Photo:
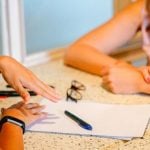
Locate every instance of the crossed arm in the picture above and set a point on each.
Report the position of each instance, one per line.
(91, 52)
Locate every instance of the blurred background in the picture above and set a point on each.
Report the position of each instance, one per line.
(32, 29)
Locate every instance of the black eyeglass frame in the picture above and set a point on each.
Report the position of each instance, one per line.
(73, 92)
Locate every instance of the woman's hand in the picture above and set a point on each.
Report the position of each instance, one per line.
(29, 113)
(145, 70)
(11, 136)
(124, 79)
(19, 77)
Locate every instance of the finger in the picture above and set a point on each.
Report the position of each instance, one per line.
(17, 105)
(40, 116)
(36, 87)
(22, 91)
(37, 117)
(43, 113)
(51, 95)
(31, 105)
(48, 89)
(36, 110)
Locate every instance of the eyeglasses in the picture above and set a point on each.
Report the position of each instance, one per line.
(73, 92)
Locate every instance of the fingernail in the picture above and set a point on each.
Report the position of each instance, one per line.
(26, 97)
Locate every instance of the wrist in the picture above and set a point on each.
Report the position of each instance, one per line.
(10, 127)
(14, 113)
(13, 122)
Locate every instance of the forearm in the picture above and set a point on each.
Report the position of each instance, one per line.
(117, 31)
(90, 52)
(88, 59)
(9, 134)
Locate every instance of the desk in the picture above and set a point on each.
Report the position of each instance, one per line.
(55, 73)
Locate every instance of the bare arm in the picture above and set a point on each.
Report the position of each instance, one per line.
(90, 52)
(9, 69)
(11, 135)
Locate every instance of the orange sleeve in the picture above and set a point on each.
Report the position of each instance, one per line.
(11, 137)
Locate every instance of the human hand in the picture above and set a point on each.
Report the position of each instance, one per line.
(29, 113)
(19, 77)
(145, 70)
(124, 80)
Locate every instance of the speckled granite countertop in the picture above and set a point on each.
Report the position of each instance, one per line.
(60, 76)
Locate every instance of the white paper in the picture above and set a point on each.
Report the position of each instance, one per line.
(107, 120)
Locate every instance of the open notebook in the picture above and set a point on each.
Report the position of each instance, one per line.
(107, 120)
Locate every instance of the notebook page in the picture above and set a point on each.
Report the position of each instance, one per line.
(107, 120)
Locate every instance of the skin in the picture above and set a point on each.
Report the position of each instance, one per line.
(29, 113)
(20, 77)
(146, 30)
(91, 52)
(114, 80)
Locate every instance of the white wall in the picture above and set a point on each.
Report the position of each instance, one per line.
(56, 23)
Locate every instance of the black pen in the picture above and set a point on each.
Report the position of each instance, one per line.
(9, 86)
(80, 122)
(14, 93)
